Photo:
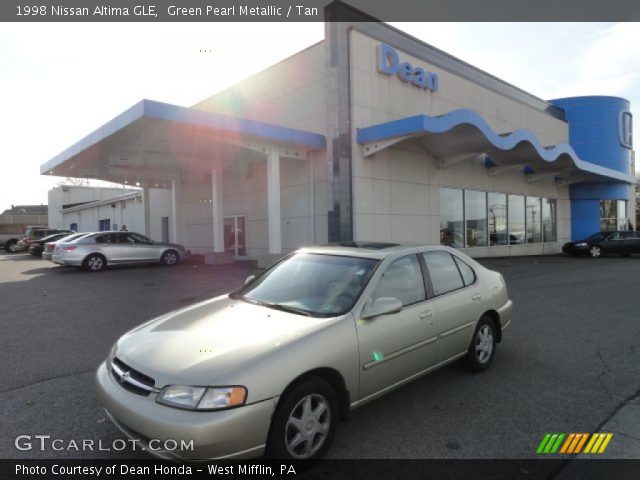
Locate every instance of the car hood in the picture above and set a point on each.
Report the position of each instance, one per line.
(196, 344)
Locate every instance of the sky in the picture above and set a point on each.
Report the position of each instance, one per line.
(59, 82)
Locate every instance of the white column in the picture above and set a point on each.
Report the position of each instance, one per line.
(217, 210)
(175, 196)
(146, 208)
(273, 201)
(312, 201)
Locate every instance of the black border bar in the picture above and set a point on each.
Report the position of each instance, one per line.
(317, 10)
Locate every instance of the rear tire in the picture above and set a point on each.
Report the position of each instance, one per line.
(94, 262)
(10, 246)
(483, 345)
(169, 258)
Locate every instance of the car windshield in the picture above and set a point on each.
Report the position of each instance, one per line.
(311, 284)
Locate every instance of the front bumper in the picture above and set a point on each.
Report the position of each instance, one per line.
(235, 433)
(572, 249)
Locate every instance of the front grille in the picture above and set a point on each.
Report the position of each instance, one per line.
(131, 379)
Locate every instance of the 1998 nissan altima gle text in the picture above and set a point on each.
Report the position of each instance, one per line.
(271, 368)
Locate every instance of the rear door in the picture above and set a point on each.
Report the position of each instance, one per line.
(632, 242)
(457, 302)
(113, 246)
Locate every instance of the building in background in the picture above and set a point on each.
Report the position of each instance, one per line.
(91, 209)
(371, 134)
(15, 220)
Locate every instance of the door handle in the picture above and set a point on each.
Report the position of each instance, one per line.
(476, 297)
(425, 315)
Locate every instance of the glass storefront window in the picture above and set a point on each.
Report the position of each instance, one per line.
(608, 215)
(534, 219)
(623, 224)
(497, 216)
(475, 214)
(516, 220)
(549, 220)
(451, 217)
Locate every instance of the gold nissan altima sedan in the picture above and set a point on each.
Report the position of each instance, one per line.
(272, 367)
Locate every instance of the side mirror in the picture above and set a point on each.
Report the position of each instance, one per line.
(382, 306)
(249, 279)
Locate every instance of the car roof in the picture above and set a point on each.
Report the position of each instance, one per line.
(374, 250)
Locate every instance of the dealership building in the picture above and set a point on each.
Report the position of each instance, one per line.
(370, 134)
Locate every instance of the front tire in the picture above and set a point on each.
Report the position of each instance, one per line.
(483, 345)
(94, 263)
(595, 251)
(305, 422)
(169, 258)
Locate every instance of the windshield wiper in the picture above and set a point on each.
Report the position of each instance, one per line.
(287, 308)
(275, 306)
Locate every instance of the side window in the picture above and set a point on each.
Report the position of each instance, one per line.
(402, 280)
(100, 239)
(443, 272)
(135, 238)
(468, 275)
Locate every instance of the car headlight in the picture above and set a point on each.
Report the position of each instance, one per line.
(581, 244)
(202, 398)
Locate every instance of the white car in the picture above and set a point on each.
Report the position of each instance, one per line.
(96, 251)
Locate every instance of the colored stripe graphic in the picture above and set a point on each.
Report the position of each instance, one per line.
(574, 443)
(550, 443)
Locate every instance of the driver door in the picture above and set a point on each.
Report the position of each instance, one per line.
(141, 248)
(396, 346)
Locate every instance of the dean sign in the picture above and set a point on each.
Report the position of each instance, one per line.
(389, 64)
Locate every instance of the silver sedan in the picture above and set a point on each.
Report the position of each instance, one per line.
(272, 367)
(94, 252)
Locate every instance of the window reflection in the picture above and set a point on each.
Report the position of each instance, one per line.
(451, 217)
(516, 220)
(534, 219)
(498, 219)
(475, 218)
(475, 209)
(548, 220)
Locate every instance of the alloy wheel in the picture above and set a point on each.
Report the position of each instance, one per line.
(95, 263)
(170, 258)
(484, 344)
(595, 251)
(308, 426)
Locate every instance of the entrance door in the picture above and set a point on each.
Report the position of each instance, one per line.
(235, 236)
(165, 229)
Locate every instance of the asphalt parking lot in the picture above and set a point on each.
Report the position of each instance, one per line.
(569, 360)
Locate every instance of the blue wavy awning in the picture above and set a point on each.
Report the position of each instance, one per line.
(464, 131)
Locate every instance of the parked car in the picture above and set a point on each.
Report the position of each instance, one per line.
(36, 247)
(94, 252)
(623, 243)
(38, 233)
(11, 234)
(49, 247)
(271, 367)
